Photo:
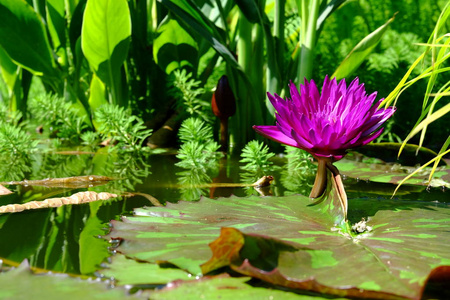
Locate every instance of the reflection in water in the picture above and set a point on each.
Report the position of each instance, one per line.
(66, 238)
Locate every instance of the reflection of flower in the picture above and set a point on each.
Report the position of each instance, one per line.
(326, 124)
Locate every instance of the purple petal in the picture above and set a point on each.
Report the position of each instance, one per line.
(272, 132)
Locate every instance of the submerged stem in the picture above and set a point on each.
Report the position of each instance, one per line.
(320, 184)
(339, 186)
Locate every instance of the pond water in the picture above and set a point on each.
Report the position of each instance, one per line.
(66, 239)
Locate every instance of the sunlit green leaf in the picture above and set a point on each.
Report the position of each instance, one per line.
(24, 38)
(174, 48)
(359, 53)
(105, 40)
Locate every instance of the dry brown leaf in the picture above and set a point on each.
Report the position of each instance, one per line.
(4, 191)
(78, 198)
(65, 182)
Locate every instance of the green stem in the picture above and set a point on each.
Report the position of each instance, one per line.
(275, 61)
(308, 38)
(320, 183)
(244, 53)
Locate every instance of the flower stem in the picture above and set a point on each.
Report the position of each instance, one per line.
(339, 186)
(320, 184)
(224, 134)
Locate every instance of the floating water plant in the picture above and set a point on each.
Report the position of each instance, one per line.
(327, 124)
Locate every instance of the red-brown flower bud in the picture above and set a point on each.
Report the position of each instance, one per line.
(223, 102)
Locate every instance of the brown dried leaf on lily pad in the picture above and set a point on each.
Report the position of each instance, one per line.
(258, 257)
(78, 198)
(4, 191)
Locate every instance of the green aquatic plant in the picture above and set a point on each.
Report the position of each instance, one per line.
(199, 150)
(255, 160)
(130, 169)
(90, 138)
(121, 127)
(191, 180)
(199, 156)
(187, 93)
(15, 169)
(196, 130)
(256, 156)
(15, 141)
(301, 160)
(58, 116)
(11, 117)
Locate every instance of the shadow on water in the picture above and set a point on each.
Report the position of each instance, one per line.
(66, 239)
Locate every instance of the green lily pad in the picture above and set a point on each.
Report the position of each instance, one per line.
(21, 283)
(223, 287)
(286, 241)
(392, 173)
(128, 271)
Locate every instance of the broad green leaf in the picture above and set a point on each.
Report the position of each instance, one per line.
(97, 97)
(329, 8)
(174, 48)
(286, 241)
(12, 228)
(105, 39)
(9, 70)
(359, 53)
(91, 243)
(57, 28)
(24, 38)
(250, 10)
(193, 19)
(21, 283)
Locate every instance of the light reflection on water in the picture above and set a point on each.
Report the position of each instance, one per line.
(66, 239)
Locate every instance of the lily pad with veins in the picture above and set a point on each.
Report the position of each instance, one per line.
(288, 242)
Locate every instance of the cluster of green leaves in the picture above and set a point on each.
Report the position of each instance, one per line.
(198, 156)
(14, 140)
(121, 127)
(58, 117)
(199, 150)
(187, 93)
(256, 157)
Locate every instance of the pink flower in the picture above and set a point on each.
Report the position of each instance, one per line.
(329, 123)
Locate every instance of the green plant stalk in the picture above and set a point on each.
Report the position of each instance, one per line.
(244, 52)
(309, 15)
(256, 71)
(275, 61)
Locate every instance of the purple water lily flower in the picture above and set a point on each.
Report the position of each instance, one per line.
(326, 124)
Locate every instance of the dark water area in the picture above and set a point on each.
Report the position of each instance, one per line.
(67, 238)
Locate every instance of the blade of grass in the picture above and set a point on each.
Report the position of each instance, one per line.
(438, 157)
(433, 117)
(436, 163)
